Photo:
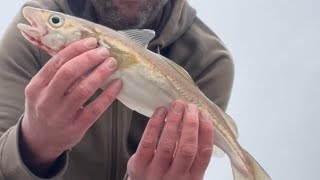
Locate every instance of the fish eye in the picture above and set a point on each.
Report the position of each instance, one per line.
(56, 21)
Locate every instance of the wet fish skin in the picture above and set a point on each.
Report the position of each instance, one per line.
(149, 79)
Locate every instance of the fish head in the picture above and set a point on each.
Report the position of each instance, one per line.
(49, 30)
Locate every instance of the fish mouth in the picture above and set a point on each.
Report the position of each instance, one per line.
(30, 33)
(37, 27)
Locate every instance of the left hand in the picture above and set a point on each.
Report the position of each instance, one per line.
(184, 149)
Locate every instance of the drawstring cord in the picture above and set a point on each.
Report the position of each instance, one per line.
(158, 50)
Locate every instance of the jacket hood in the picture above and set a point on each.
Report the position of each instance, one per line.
(176, 19)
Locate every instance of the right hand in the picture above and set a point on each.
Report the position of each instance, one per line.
(55, 119)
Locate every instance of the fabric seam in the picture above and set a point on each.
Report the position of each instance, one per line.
(2, 149)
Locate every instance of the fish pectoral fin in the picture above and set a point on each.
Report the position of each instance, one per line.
(256, 171)
(140, 36)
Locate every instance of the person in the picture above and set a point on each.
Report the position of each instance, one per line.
(51, 131)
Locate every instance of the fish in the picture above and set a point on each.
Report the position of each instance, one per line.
(150, 80)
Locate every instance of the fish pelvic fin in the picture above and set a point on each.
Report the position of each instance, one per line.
(256, 171)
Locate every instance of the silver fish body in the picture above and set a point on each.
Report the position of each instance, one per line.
(149, 80)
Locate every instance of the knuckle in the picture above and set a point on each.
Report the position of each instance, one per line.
(171, 128)
(188, 151)
(192, 122)
(30, 91)
(97, 110)
(167, 146)
(101, 75)
(108, 98)
(191, 137)
(77, 47)
(205, 152)
(57, 61)
(69, 72)
(203, 160)
(91, 55)
(82, 92)
(72, 50)
(173, 123)
(174, 120)
(207, 127)
(147, 143)
(132, 167)
(153, 126)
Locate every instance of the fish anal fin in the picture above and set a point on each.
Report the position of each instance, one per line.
(239, 175)
(231, 123)
(217, 152)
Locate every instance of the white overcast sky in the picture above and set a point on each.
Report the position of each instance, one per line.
(275, 99)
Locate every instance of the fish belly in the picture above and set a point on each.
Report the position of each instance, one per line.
(144, 90)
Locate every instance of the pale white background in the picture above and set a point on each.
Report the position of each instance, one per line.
(275, 100)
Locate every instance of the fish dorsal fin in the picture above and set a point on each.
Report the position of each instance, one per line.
(140, 36)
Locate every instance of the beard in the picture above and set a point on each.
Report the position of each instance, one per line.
(110, 15)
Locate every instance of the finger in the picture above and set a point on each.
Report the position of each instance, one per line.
(88, 86)
(188, 143)
(94, 110)
(206, 142)
(169, 137)
(75, 69)
(149, 138)
(47, 72)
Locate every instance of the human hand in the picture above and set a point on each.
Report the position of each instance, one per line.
(184, 149)
(55, 119)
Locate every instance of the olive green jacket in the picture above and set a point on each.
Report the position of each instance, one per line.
(106, 147)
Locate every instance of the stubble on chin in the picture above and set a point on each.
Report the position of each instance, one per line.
(111, 16)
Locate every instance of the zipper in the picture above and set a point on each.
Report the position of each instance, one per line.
(114, 141)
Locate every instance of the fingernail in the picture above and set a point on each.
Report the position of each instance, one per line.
(111, 63)
(178, 107)
(192, 108)
(161, 112)
(204, 115)
(90, 43)
(103, 52)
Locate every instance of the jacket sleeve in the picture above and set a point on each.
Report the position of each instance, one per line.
(19, 62)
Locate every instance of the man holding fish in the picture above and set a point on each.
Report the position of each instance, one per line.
(57, 122)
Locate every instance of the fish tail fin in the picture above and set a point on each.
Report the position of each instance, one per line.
(257, 172)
